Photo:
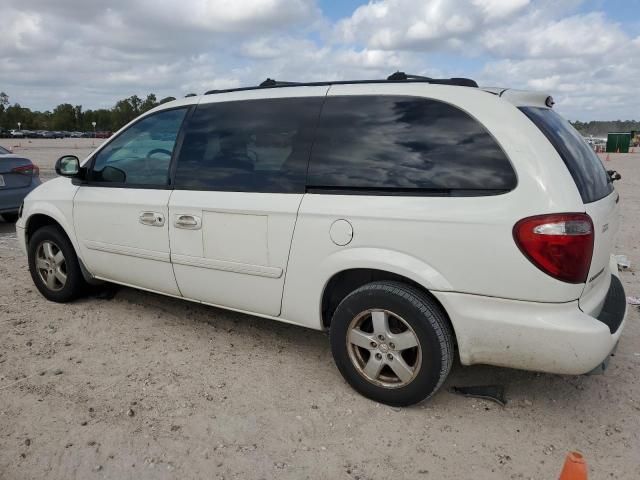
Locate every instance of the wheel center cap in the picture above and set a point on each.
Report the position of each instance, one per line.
(383, 347)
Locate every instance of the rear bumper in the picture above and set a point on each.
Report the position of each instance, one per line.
(547, 337)
(11, 198)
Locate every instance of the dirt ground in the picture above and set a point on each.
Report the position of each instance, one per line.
(142, 386)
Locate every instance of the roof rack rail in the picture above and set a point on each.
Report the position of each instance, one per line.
(270, 82)
(395, 77)
(458, 81)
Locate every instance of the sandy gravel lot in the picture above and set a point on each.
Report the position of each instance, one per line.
(141, 386)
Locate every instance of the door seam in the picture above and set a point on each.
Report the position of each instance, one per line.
(173, 267)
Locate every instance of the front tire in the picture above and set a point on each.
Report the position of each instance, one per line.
(54, 265)
(392, 343)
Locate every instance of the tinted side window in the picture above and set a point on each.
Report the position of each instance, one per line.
(248, 146)
(584, 165)
(406, 143)
(141, 154)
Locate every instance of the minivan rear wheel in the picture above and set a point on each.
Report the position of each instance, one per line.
(392, 343)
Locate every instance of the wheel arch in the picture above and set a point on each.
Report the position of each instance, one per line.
(37, 220)
(346, 281)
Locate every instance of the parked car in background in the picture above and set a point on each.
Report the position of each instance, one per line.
(17, 133)
(75, 134)
(429, 213)
(103, 134)
(18, 176)
(4, 133)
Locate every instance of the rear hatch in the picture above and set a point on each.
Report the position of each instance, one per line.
(16, 172)
(597, 192)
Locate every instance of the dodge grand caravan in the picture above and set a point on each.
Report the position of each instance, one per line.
(404, 216)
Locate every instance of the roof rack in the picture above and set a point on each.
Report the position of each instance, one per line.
(270, 82)
(397, 77)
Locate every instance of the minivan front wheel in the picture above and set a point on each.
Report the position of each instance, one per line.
(54, 266)
(392, 343)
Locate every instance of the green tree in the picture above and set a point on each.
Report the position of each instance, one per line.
(150, 102)
(64, 117)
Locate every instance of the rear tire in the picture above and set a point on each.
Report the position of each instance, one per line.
(10, 217)
(54, 265)
(392, 343)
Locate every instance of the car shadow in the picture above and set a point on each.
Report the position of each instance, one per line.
(522, 387)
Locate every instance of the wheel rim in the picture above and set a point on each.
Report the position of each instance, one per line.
(51, 265)
(383, 348)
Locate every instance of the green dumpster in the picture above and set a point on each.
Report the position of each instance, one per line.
(618, 142)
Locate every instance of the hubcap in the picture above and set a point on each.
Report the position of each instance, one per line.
(383, 348)
(51, 265)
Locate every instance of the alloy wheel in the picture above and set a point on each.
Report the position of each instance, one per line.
(383, 348)
(51, 265)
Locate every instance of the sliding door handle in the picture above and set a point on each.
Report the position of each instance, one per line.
(153, 219)
(189, 222)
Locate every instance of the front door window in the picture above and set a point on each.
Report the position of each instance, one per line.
(141, 154)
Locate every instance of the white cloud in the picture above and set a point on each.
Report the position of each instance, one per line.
(411, 24)
(93, 53)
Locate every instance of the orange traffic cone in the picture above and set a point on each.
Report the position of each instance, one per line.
(575, 467)
(607, 159)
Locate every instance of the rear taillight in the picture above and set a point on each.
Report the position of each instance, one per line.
(30, 170)
(561, 244)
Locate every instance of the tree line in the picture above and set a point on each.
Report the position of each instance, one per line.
(68, 117)
(601, 128)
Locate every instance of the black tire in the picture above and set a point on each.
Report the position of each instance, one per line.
(10, 217)
(75, 284)
(428, 324)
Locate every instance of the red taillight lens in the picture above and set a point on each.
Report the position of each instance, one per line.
(30, 170)
(561, 245)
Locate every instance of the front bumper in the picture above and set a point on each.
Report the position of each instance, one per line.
(547, 337)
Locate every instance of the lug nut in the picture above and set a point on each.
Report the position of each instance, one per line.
(389, 356)
(378, 356)
(381, 337)
(374, 344)
(392, 345)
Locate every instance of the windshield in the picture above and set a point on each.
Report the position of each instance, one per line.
(584, 165)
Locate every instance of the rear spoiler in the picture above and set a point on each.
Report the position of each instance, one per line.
(522, 98)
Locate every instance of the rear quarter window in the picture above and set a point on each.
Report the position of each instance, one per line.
(584, 165)
(402, 144)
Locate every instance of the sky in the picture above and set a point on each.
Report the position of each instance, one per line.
(93, 53)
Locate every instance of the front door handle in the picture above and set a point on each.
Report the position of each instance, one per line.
(189, 222)
(154, 219)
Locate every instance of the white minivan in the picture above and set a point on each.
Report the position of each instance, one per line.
(412, 218)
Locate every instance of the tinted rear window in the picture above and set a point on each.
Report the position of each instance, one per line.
(584, 165)
(411, 144)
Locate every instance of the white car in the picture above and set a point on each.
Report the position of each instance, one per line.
(414, 219)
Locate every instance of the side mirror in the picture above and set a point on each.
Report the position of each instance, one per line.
(68, 166)
(113, 174)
